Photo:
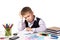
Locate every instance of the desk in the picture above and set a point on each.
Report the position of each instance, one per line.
(34, 36)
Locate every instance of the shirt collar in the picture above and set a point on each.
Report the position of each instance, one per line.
(35, 19)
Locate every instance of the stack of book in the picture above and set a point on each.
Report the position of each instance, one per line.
(53, 30)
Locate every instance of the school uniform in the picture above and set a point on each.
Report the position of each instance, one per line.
(37, 25)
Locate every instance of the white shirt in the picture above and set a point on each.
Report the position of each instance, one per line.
(39, 29)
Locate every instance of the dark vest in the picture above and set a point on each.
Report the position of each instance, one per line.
(35, 24)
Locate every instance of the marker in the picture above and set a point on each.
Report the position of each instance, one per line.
(7, 26)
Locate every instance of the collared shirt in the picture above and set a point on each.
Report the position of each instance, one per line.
(39, 29)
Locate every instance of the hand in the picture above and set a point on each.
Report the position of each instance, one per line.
(28, 29)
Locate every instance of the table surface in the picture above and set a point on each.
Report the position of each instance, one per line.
(34, 36)
(31, 36)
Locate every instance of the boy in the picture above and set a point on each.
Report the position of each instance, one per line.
(31, 23)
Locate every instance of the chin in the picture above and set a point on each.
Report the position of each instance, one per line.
(30, 21)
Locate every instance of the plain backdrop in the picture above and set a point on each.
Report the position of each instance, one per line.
(48, 10)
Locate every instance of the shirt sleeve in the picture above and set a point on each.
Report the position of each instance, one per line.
(41, 28)
(21, 26)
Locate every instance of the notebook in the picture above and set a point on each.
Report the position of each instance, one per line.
(53, 30)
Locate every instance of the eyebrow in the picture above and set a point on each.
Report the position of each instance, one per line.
(27, 16)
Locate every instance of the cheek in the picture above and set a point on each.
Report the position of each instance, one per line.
(30, 18)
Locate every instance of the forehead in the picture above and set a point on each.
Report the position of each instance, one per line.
(27, 14)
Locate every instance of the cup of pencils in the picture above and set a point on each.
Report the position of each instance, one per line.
(8, 29)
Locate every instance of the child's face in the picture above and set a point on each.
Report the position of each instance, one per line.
(28, 16)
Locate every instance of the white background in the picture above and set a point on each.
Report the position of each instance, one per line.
(48, 10)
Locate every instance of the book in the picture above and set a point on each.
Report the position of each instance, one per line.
(53, 30)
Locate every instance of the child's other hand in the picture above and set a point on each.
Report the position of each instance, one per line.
(28, 29)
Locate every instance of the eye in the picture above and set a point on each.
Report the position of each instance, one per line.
(27, 16)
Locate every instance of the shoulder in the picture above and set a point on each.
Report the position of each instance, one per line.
(41, 21)
(37, 18)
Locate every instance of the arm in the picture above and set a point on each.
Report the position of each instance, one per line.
(41, 28)
(21, 26)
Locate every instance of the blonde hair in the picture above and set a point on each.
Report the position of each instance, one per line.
(25, 9)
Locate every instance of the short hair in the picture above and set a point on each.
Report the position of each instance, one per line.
(25, 9)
